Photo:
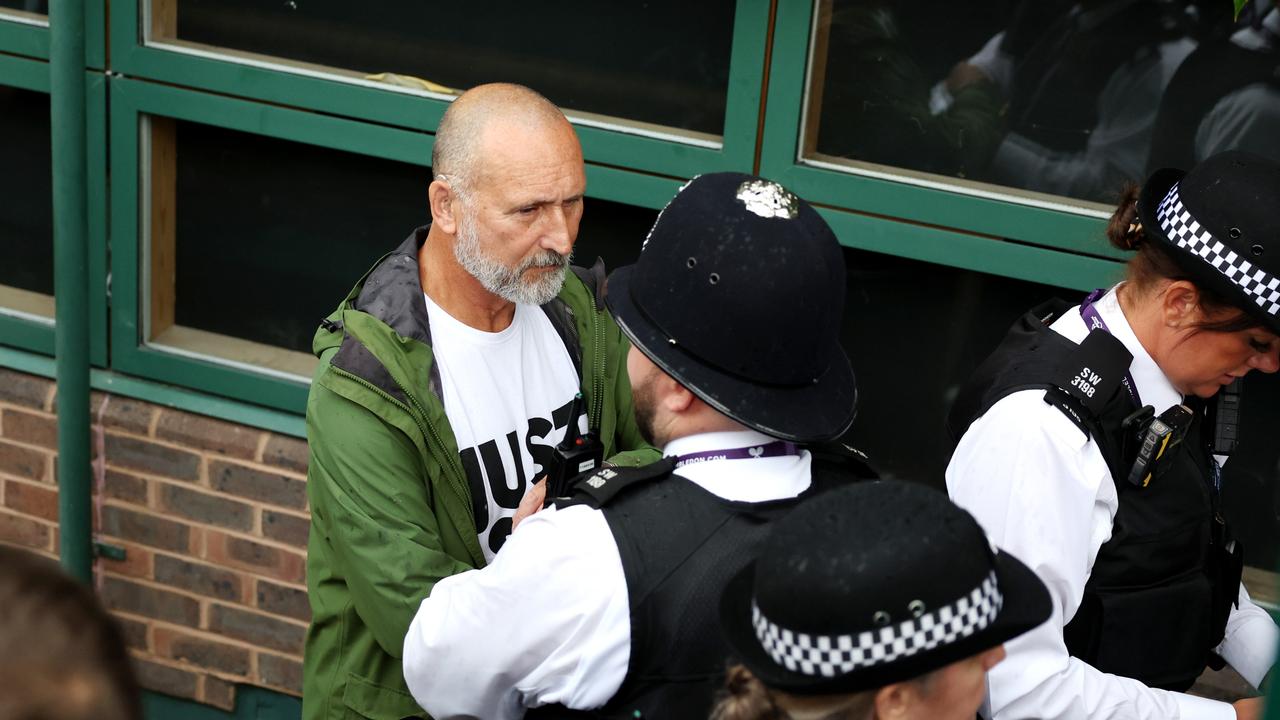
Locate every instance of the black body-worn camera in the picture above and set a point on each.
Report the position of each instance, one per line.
(576, 454)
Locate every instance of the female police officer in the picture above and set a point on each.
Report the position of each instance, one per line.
(1087, 451)
(879, 601)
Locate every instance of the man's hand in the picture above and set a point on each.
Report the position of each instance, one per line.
(530, 503)
(1248, 709)
(963, 75)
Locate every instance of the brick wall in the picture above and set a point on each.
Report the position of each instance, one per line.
(213, 520)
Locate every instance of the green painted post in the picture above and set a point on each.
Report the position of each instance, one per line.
(71, 282)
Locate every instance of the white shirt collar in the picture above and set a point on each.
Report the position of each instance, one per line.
(745, 480)
(1153, 387)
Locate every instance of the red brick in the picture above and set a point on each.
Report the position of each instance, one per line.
(201, 652)
(256, 628)
(23, 462)
(165, 679)
(136, 563)
(204, 580)
(254, 484)
(204, 508)
(35, 500)
(286, 452)
(256, 557)
(206, 433)
(136, 599)
(133, 631)
(151, 458)
(127, 414)
(30, 428)
(150, 530)
(22, 389)
(23, 531)
(124, 486)
(218, 693)
(281, 600)
(289, 529)
(280, 672)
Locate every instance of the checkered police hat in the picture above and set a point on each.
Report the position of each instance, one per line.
(1220, 223)
(874, 584)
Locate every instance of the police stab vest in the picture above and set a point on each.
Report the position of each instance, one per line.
(679, 546)
(1161, 589)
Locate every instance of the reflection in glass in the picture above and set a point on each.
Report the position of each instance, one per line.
(26, 212)
(664, 62)
(270, 235)
(1052, 96)
(39, 7)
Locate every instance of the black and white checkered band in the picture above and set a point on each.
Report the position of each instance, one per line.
(832, 655)
(1183, 229)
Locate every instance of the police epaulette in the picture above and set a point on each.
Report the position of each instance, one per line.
(844, 459)
(598, 487)
(1089, 377)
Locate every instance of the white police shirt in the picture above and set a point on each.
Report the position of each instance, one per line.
(507, 395)
(1043, 492)
(548, 621)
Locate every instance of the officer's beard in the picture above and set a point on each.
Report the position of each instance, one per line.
(509, 283)
(646, 407)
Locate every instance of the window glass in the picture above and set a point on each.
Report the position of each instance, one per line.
(663, 62)
(270, 235)
(39, 7)
(26, 215)
(1055, 97)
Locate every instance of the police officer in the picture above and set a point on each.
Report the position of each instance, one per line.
(879, 601)
(606, 601)
(1088, 451)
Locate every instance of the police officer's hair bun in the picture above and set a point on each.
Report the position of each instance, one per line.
(744, 697)
(1125, 229)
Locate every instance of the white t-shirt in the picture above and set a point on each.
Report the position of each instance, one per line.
(507, 395)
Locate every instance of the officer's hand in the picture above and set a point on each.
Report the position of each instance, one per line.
(530, 503)
(1248, 709)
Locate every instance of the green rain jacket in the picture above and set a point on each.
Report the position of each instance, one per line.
(391, 511)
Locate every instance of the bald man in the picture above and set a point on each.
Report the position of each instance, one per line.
(447, 376)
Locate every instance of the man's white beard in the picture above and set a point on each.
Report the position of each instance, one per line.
(509, 283)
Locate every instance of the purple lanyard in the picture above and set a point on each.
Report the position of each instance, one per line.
(1094, 320)
(777, 448)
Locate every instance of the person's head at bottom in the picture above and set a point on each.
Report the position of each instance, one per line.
(880, 600)
(62, 657)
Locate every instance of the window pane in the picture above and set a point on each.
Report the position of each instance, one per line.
(270, 235)
(663, 62)
(26, 215)
(40, 7)
(1057, 97)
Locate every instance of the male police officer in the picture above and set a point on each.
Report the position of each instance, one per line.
(608, 601)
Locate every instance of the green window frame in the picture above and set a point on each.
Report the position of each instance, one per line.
(604, 144)
(931, 222)
(134, 100)
(37, 335)
(27, 34)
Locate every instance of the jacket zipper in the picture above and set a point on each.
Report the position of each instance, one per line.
(425, 429)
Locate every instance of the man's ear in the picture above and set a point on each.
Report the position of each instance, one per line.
(1180, 304)
(444, 206)
(895, 701)
(676, 397)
